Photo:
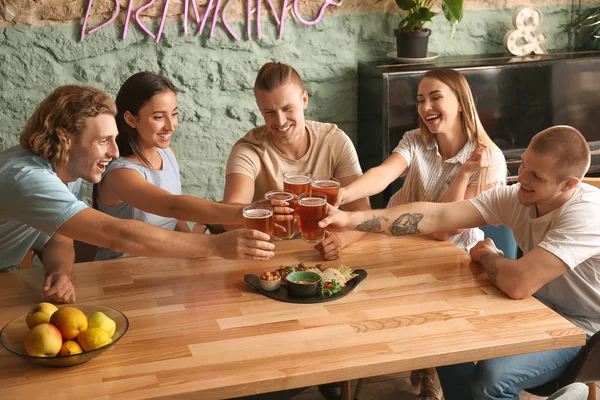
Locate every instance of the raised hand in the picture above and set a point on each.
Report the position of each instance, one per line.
(480, 158)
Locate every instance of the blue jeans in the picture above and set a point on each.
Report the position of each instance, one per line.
(505, 377)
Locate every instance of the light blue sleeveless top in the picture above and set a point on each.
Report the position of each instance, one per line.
(168, 178)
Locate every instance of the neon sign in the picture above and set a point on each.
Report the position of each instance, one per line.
(217, 8)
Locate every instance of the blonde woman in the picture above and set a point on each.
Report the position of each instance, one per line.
(449, 158)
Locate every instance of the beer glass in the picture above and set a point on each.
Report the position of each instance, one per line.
(259, 217)
(312, 208)
(297, 182)
(326, 185)
(287, 224)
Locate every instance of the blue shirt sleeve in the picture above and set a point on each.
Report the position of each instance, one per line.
(41, 200)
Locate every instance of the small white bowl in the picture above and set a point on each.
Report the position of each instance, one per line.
(270, 286)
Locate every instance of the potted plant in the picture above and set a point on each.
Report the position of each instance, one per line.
(411, 37)
(586, 27)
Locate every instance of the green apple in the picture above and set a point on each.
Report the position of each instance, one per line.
(100, 320)
(40, 314)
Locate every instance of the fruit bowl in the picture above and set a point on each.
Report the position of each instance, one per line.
(13, 333)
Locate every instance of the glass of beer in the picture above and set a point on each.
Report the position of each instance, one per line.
(327, 185)
(287, 224)
(312, 208)
(259, 217)
(297, 182)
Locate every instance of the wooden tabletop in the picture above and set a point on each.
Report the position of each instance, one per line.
(198, 331)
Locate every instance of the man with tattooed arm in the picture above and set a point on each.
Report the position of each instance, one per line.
(554, 218)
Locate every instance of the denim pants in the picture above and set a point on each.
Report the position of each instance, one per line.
(503, 378)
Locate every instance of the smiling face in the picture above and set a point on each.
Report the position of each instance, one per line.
(91, 151)
(156, 121)
(540, 185)
(283, 111)
(438, 107)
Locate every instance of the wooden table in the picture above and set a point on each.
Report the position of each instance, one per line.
(198, 331)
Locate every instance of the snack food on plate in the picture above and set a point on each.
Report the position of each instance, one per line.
(332, 279)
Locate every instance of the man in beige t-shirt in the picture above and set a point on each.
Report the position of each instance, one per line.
(287, 142)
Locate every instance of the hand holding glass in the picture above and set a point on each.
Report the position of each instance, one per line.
(312, 209)
(288, 224)
(259, 217)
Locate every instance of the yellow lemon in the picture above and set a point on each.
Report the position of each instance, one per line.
(100, 320)
(93, 338)
(70, 347)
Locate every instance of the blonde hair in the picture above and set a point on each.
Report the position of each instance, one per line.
(567, 146)
(471, 123)
(68, 108)
(272, 75)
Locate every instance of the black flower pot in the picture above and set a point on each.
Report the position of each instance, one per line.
(412, 44)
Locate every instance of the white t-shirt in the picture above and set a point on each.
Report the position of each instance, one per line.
(571, 232)
(428, 177)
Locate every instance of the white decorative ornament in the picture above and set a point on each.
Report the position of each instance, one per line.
(525, 39)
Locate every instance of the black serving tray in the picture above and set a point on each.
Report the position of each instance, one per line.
(282, 294)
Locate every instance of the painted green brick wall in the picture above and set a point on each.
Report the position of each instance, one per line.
(215, 76)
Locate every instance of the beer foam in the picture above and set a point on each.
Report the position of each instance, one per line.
(257, 213)
(312, 201)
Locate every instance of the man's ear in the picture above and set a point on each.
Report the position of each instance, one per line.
(130, 119)
(305, 99)
(65, 137)
(571, 183)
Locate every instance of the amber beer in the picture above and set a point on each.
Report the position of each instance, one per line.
(259, 217)
(328, 186)
(296, 182)
(287, 224)
(312, 208)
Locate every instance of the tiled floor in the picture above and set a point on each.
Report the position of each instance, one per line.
(388, 387)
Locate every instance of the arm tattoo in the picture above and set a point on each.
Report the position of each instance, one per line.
(489, 265)
(406, 224)
(372, 225)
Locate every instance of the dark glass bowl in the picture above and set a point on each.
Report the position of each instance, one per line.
(13, 333)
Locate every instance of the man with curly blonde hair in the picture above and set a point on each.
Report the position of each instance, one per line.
(71, 136)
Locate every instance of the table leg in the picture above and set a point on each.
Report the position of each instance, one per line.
(346, 390)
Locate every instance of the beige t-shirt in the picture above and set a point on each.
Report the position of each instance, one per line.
(571, 233)
(330, 153)
(428, 177)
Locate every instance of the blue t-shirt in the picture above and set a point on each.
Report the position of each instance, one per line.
(167, 178)
(34, 203)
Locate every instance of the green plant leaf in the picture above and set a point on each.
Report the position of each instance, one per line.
(425, 14)
(453, 10)
(406, 4)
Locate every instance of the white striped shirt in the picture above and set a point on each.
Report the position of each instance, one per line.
(428, 177)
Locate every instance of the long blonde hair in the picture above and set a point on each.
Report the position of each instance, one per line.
(471, 123)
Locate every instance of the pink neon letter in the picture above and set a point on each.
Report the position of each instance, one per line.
(321, 12)
(87, 15)
(162, 21)
(137, 19)
(232, 33)
(127, 18)
(115, 14)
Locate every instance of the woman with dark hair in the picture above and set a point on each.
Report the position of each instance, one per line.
(144, 182)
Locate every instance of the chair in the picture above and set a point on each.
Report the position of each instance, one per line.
(585, 368)
(503, 238)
